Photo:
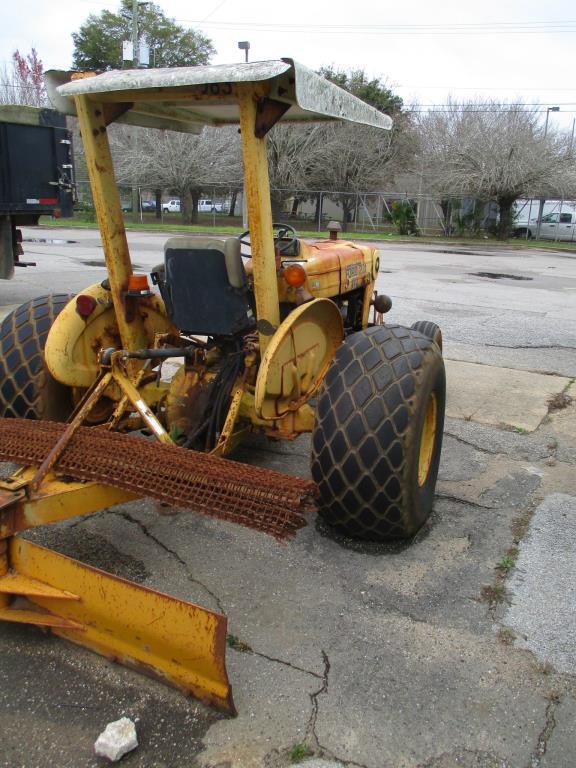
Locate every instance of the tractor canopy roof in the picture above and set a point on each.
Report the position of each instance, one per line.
(188, 98)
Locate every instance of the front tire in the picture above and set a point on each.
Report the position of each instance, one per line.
(429, 329)
(378, 435)
(27, 388)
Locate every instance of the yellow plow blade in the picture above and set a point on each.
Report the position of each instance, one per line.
(173, 640)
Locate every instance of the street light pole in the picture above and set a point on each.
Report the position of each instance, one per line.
(548, 110)
(244, 45)
(542, 200)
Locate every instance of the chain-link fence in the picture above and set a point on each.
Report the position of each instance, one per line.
(366, 212)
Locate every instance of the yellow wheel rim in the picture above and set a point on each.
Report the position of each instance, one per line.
(427, 440)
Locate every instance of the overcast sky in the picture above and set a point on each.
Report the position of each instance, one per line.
(515, 50)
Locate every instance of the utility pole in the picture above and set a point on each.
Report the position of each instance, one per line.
(136, 60)
(135, 63)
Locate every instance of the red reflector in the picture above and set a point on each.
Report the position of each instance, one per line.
(48, 200)
(85, 305)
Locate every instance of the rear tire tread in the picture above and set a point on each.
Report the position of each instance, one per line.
(363, 445)
(27, 389)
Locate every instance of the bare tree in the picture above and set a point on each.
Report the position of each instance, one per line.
(494, 152)
(22, 82)
(290, 152)
(187, 164)
(350, 158)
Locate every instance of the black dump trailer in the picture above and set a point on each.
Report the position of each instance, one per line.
(36, 175)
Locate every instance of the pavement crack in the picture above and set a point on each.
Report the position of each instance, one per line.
(311, 734)
(284, 663)
(531, 346)
(535, 760)
(144, 528)
(460, 500)
(471, 444)
(311, 728)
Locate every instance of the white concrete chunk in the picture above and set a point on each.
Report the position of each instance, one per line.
(117, 739)
(499, 396)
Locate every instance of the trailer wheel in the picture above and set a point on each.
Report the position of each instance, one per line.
(27, 389)
(378, 434)
(429, 329)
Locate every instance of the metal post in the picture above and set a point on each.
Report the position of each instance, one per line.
(257, 188)
(109, 215)
(6, 248)
(4, 567)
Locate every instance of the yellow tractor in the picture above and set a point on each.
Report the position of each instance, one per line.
(280, 343)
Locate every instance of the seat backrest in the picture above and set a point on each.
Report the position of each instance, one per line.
(205, 288)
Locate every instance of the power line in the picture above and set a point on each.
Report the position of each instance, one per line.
(540, 27)
(463, 108)
(502, 103)
(214, 10)
(483, 88)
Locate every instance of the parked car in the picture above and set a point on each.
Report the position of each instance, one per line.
(171, 206)
(148, 205)
(208, 206)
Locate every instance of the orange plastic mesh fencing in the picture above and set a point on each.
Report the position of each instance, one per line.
(255, 497)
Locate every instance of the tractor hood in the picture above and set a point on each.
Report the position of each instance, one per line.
(188, 98)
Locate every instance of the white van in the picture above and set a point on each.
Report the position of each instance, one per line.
(557, 224)
(207, 206)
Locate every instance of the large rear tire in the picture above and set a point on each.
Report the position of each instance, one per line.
(378, 434)
(27, 388)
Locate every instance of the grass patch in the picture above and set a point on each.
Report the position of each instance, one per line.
(508, 561)
(298, 752)
(206, 226)
(506, 636)
(521, 525)
(559, 402)
(234, 642)
(493, 594)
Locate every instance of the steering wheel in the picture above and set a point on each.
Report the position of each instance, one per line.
(281, 231)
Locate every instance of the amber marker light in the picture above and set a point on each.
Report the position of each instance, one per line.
(295, 275)
(137, 282)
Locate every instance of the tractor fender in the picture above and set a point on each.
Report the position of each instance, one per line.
(73, 343)
(297, 357)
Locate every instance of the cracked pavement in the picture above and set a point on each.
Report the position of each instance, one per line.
(455, 649)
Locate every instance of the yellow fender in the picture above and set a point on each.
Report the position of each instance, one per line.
(73, 343)
(297, 358)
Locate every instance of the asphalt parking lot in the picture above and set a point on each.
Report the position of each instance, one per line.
(456, 649)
